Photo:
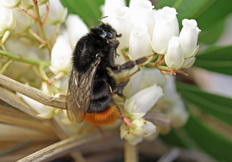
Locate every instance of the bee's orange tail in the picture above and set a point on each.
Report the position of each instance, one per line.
(102, 118)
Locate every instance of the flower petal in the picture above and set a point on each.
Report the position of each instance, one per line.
(146, 99)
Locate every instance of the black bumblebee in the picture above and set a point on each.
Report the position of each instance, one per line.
(90, 86)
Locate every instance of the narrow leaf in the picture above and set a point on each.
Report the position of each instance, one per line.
(215, 105)
(217, 59)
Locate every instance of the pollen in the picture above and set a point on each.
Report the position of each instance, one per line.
(102, 118)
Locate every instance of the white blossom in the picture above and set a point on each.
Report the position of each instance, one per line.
(43, 111)
(166, 26)
(40, 2)
(76, 28)
(188, 37)
(10, 3)
(7, 23)
(61, 55)
(110, 6)
(174, 57)
(188, 62)
(140, 42)
(121, 21)
(172, 103)
(145, 99)
(57, 12)
(23, 21)
(140, 9)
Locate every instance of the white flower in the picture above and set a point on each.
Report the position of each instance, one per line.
(40, 2)
(7, 23)
(27, 4)
(43, 111)
(23, 21)
(145, 99)
(166, 26)
(174, 57)
(61, 55)
(188, 62)
(142, 128)
(188, 37)
(76, 28)
(121, 22)
(110, 6)
(140, 43)
(172, 103)
(10, 3)
(140, 10)
(57, 13)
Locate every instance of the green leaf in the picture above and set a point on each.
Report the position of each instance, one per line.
(186, 8)
(215, 105)
(208, 140)
(217, 11)
(175, 139)
(88, 10)
(218, 59)
(213, 34)
(196, 134)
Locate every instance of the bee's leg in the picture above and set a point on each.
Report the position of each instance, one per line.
(117, 88)
(127, 78)
(130, 64)
(125, 119)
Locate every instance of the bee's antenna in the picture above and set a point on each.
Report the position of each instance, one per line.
(102, 18)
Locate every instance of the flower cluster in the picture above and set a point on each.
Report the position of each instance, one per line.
(145, 31)
(28, 28)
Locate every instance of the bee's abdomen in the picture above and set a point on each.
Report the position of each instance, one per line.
(101, 97)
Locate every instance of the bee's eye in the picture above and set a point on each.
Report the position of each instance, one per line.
(109, 35)
(98, 55)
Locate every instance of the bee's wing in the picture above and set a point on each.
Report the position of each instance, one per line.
(79, 92)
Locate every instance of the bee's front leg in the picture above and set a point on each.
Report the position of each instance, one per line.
(130, 64)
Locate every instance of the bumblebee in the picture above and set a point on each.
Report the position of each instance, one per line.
(91, 85)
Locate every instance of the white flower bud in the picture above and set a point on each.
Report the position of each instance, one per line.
(174, 58)
(61, 55)
(7, 23)
(27, 4)
(110, 6)
(23, 21)
(140, 10)
(145, 99)
(57, 13)
(188, 62)
(188, 37)
(166, 26)
(140, 42)
(10, 3)
(149, 128)
(40, 2)
(121, 22)
(76, 28)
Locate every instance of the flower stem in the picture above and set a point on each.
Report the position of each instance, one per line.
(5, 66)
(40, 25)
(43, 73)
(130, 152)
(24, 59)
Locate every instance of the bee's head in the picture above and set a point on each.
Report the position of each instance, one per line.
(105, 31)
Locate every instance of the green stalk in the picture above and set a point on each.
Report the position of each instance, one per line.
(24, 59)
